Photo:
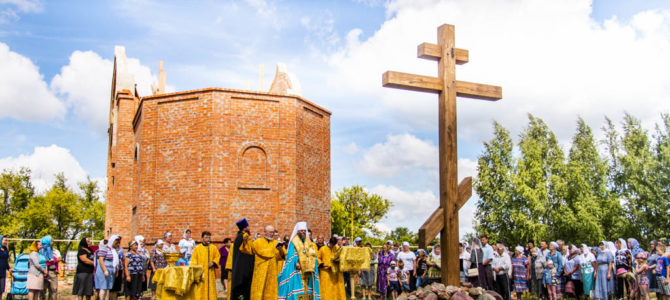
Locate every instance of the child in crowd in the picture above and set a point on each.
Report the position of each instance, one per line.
(641, 272)
(403, 276)
(662, 274)
(550, 280)
(421, 268)
(392, 280)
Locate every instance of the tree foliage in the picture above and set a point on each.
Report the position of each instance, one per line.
(60, 211)
(536, 192)
(365, 208)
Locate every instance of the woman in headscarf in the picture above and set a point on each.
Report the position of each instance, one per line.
(464, 261)
(141, 250)
(520, 271)
(435, 263)
(133, 268)
(588, 265)
(157, 261)
(622, 265)
(117, 287)
(36, 272)
(384, 258)
(107, 264)
(83, 278)
(634, 247)
(537, 271)
(186, 245)
(611, 248)
(51, 280)
(651, 262)
(556, 257)
(605, 262)
(573, 272)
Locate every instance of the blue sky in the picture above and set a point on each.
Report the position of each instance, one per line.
(554, 59)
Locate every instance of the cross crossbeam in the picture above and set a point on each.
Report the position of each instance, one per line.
(452, 195)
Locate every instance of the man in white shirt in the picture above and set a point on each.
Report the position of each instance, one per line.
(409, 259)
(502, 265)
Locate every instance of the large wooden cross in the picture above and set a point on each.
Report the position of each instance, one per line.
(452, 194)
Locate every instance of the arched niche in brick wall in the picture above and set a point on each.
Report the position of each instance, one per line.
(253, 168)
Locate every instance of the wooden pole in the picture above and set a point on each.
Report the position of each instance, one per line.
(448, 155)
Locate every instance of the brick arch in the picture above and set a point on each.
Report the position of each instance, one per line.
(253, 167)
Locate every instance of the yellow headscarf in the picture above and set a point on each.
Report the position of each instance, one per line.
(33, 247)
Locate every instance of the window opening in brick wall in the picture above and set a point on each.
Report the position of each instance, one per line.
(253, 169)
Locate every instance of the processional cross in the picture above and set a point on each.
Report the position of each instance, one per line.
(452, 194)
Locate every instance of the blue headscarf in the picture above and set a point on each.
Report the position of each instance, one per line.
(47, 251)
(635, 248)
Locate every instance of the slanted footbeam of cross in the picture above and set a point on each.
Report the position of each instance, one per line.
(452, 195)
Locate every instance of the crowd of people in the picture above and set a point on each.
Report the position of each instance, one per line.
(613, 270)
(267, 266)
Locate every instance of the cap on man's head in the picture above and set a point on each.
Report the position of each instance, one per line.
(241, 224)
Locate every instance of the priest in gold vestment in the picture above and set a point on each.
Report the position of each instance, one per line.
(207, 256)
(331, 281)
(299, 278)
(266, 252)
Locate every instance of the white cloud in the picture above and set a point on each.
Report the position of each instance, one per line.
(10, 9)
(412, 208)
(86, 84)
(399, 153)
(24, 95)
(44, 163)
(550, 57)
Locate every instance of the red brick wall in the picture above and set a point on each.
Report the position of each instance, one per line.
(210, 157)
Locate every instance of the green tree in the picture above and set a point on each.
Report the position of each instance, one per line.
(588, 197)
(540, 185)
(16, 192)
(365, 208)
(403, 234)
(495, 186)
(662, 174)
(636, 181)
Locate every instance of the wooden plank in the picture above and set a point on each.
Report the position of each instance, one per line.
(448, 156)
(434, 52)
(411, 82)
(434, 224)
(478, 91)
(464, 192)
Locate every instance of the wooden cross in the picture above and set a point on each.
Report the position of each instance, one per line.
(452, 195)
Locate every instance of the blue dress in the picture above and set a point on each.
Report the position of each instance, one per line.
(602, 284)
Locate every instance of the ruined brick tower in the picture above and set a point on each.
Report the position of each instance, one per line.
(202, 159)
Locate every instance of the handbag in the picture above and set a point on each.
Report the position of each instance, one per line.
(474, 272)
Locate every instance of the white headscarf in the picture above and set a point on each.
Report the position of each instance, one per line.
(611, 247)
(587, 253)
(115, 259)
(298, 226)
(624, 244)
(139, 239)
(520, 249)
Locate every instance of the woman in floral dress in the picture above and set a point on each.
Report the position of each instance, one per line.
(384, 259)
(520, 271)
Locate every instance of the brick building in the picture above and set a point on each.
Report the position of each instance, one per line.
(202, 159)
